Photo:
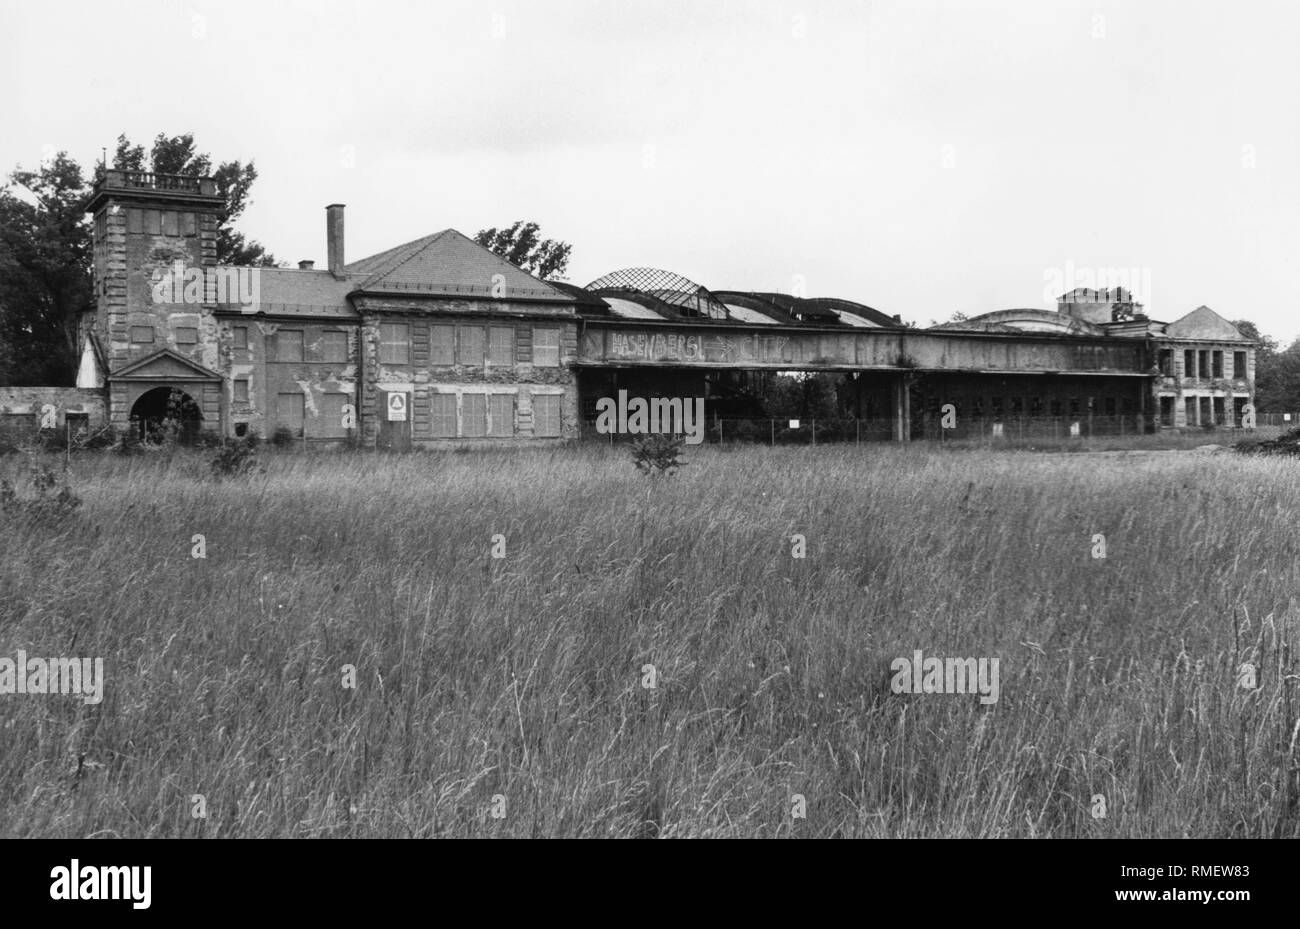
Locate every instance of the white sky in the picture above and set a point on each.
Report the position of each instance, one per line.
(920, 157)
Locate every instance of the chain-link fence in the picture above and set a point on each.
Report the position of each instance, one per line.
(1009, 430)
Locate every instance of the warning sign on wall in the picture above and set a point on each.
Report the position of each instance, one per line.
(396, 408)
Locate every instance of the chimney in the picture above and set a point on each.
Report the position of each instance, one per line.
(306, 266)
(334, 238)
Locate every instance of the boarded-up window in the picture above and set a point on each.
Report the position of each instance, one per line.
(240, 334)
(289, 412)
(501, 345)
(241, 390)
(78, 423)
(333, 346)
(546, 415)
(186, 335)
(18, 425)
(546, 347)
(394, 344)
(141, 333)
(501, 409)
(328, 421)
(473, 415)
(443, 409)
(288, 345)
(171, 222)
(442, 345)
(471, 346)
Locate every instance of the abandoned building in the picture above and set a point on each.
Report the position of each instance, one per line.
(439, 340)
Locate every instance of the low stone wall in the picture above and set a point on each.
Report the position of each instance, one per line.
(31, 406)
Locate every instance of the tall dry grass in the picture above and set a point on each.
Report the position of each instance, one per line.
(521, 678)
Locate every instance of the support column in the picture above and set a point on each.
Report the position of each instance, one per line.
(902, 403)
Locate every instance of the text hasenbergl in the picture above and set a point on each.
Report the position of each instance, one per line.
(53, 676)
(640, 416)
(946, 675)
(103, 882)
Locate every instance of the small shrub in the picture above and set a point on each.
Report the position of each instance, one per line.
(52, 499)
(283, 437)
(657, 455)
(237, 458)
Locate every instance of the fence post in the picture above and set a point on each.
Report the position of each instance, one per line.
(814, 431)
(772, 424)
(857, 431)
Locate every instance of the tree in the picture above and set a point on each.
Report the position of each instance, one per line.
(45, 282)
(522, 246)
(178, 155)
(45, 250)
(1277, 373)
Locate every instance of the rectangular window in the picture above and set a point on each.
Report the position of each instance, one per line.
(1166, 411)
(501, 410)
(1189, 363)
(1017, 406)
(1167, 362)
(1202, 364)
(1056, 407)
(546, 416)
(1206, 418)
(394, 344)
(141, 334)
(288, 345)
(18, 425)
(1239, 365)
(1216, 364)
(1238, 410)
(78, 423)
(186, 335)
(1036, 406)
(442, 345)
(333, 346)
(241, 390)
(171, 222)
(443, 415)
(546, 348)
(289, 412)
(501, 346)
(328, 421)
(1220, 410)
(470, 349)
(473, 415)
(1189, 410)
(240, 334)
(1111, 407)
(995, 406)
(1074, 406)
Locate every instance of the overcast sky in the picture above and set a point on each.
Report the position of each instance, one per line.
(920, 157)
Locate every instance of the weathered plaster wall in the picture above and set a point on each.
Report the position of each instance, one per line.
(429, 371)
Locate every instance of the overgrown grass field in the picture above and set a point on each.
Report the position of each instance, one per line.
(507, 696)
